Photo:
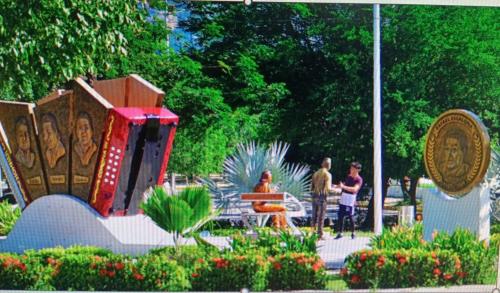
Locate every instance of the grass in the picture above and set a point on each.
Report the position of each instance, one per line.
(335, 283)
(228, 232)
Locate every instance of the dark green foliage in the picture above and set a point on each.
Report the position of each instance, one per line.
(433, 58)
(209, 127)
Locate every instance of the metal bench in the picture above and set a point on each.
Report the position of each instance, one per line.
(293, 209)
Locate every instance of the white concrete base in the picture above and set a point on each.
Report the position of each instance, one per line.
(61, 220)
(445, 213)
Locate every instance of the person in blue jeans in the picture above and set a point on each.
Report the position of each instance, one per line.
(350, 188)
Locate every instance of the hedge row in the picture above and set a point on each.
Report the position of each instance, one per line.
(402, 269)
(96, 269)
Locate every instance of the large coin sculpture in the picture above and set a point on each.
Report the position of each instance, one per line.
(457, 152)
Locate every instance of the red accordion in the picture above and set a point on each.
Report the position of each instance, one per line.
(134, 156)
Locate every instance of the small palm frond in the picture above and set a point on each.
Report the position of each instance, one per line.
(198, 200)
(180, 213)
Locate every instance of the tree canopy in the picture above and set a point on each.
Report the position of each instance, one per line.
(294, 72)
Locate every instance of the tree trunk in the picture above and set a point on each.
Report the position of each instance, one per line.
(369, 221)
(413, 194)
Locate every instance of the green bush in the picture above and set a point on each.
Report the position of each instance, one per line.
(231, 272)
(8, 217)
(117, 272)
(400, 238)
(477, 257)
(271, 244)
(58, 252)
(296, 271)
(186, 256)
(159, 273)
(402, 269)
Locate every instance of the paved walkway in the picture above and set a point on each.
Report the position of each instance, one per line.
(452, 289)
(334, 251)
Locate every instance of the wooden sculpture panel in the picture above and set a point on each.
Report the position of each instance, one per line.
(113, 90)
(17, 120)
(53, 116)
(90, 113)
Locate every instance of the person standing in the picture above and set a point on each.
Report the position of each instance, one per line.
(321, 185)
(350, 188)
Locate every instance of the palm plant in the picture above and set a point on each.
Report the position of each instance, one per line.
(244, 167)
(180, 214)
(8, 217)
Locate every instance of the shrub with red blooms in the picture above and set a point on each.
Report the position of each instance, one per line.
(296, 271)
(402, 269)
(230, 272)
(17, 272)
(118, 272)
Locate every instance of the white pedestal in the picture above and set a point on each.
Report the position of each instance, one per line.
(446, 214)
(60, 220)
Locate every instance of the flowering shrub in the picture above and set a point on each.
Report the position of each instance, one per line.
(95, 269)
(230, 272)
(477, 257)
(403, 268)
(17, 272)
(296, 271)
(116, 272)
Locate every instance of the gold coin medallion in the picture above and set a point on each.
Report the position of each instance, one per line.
(457, 152)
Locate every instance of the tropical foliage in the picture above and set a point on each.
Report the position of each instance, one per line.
(181, 213)
(8, 217)
(243, 170)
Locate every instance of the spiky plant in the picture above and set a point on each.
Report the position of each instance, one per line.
(244, 167)
(182, 213)
(493, 179)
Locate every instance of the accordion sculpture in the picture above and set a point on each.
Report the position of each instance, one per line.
(104, 142)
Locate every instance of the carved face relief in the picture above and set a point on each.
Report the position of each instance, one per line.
(84, 131)
(54, 149)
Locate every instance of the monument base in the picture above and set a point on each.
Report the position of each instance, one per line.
(60, 220)
(445, 214)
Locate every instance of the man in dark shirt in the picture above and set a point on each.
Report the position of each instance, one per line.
(350, 188)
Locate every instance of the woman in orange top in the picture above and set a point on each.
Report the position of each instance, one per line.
(279, 221)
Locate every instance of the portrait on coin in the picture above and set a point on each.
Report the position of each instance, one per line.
(454, 152)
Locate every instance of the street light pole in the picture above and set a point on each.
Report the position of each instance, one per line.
(377, 124)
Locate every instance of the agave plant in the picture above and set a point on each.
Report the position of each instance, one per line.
(244, 167)
(493, 179)
(180, 214)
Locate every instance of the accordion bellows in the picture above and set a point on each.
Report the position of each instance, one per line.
(105, 143)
